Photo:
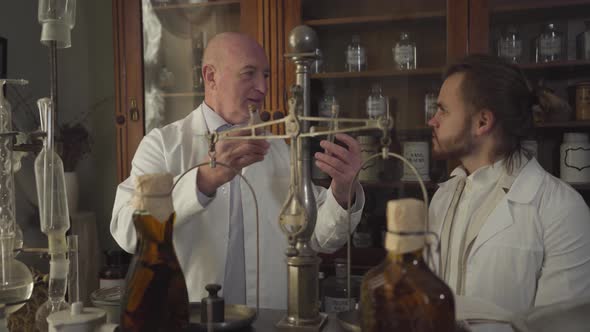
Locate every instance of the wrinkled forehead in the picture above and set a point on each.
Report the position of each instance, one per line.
(246, 54)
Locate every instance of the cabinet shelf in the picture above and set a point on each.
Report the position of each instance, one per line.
(374, 19)
(196, 5)
(183, 94)
(564, 125)
(381, 73)
(537, 5)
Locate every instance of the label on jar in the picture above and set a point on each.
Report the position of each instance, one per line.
(549, 45)
(403, 54)
(417, 154)
(510, 48)
(376, 107)
(356, 56)
(107, 283)
(337, 304)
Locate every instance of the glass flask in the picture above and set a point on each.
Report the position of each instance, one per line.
(404, 52)
(356, 55)
(335, 292)
(155, 297)
(402, 293)
(376, 103)
(550, 44)
(16, 280)
(328, 102)
(510, 45)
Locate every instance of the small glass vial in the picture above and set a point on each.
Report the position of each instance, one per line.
(376, 103)
(510, 45)
(550, 44)
(404, 52)
(335, 292)
(356, 55)
(430, 105)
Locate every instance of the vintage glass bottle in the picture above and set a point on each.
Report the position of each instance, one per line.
(402, 293)
(510, 45)
(376, 102)
(356, 55)
(404, 52)
(334, 289)
(155, 296)
(550, 44)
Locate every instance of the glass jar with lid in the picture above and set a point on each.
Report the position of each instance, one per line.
(510, 45)
(550, 44)
(404, 52)
(356, 55)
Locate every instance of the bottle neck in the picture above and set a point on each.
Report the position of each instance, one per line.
(406, 257)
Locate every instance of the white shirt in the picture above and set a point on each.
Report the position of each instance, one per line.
(478, 186)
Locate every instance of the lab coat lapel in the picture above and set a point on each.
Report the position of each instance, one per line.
(500, 219)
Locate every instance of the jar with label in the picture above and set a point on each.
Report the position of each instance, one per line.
(115, 270)
(370, 145)
(356, 55)
(550, 44)
(328, 103)
(404, 52)
(416, 153)
(583, 43)
(335, 291)
(376, 103)
(510, 45)
(583, 100)
(574, 166)
(430, 105)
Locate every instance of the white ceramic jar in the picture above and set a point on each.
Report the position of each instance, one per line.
(575, 158)
(417, 153)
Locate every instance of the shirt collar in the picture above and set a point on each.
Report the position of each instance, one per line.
(213, 120)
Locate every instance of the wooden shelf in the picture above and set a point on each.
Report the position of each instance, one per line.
(381, 73)
(565, 125)
(566, 64)
(183, 94)
(164, 6)
(538, 5)
(374, 19)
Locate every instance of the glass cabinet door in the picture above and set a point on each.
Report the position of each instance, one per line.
(175, 34)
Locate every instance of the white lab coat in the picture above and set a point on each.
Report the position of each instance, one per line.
(534, 247)
(201, 233)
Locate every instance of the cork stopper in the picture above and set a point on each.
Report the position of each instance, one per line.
(405, 215)
(152, 194)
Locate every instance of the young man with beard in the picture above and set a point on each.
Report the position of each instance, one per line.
(511, 234)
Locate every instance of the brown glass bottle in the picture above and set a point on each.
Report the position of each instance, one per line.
(155, 297)
(403, 294)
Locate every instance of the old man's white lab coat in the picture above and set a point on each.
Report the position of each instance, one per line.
(201, 233)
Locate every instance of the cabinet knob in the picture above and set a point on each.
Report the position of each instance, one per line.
(120, 119)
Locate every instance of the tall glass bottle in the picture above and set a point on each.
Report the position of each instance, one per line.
(376, 103)
(335, 292)
(155, 296)
(550, 44)
(404, 52)
(402, 293)
(510, 45)
(356, 55)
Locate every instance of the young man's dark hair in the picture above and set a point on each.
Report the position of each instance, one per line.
(491, 83)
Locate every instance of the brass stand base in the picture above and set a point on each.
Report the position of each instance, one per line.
(316, 326)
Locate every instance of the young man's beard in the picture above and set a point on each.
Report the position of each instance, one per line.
(456, 147)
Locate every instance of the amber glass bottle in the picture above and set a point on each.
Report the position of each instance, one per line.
(402, 293)
(155, 296)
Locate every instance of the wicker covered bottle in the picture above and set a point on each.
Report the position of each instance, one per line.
(155, 296)
(402, 293)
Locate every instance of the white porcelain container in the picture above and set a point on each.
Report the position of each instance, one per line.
(575, 158)
(418, 153)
